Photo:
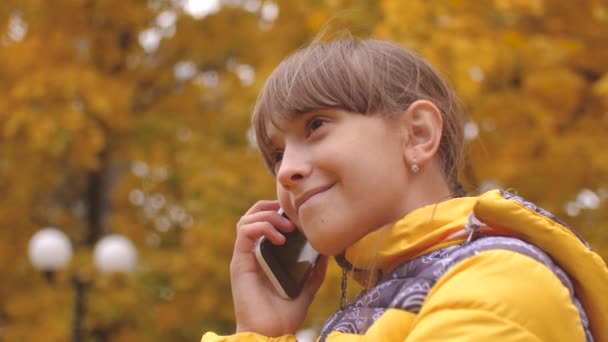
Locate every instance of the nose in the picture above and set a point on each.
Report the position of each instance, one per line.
(294, 167)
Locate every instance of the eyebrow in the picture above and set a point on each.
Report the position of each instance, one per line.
(275, 129)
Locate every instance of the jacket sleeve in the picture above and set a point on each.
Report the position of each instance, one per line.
(495, 295)
(246, 337)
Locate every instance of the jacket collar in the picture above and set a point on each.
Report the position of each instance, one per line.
(422, 231)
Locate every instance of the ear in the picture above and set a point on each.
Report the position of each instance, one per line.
(422, 125)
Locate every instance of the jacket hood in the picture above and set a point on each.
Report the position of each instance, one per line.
(496, 212)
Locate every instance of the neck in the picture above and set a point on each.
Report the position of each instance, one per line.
(429, 186)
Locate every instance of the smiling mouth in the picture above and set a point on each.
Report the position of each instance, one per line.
(310, 194)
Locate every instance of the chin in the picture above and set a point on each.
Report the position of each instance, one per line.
(333, 243)
(329, 251)
(326, 247)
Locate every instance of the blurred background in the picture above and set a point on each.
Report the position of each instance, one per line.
(124, 126)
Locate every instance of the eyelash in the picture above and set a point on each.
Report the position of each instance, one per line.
(275, 159)
(311, 128)
(277, 156)
(313, 124)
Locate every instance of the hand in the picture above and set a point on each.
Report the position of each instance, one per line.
(257, 305)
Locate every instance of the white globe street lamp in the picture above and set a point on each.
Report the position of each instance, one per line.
(115, 253)
(50, 250)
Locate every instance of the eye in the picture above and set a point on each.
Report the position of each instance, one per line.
(314, 124)
(275, 158)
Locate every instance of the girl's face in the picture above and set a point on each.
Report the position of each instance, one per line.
(340, 175)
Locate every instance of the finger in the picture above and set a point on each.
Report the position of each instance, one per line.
(249, 234)
(263, 205)
(272, 217)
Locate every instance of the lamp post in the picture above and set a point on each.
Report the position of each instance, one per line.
(50, 251)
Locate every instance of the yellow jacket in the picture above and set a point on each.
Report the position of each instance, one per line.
(477, 299)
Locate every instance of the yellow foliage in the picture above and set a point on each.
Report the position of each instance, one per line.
(559, 89)
(600, 89)
(531, 7)
(317, 19)
(14, 123)
(93, 123)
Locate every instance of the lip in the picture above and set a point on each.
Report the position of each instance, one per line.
(300, 200)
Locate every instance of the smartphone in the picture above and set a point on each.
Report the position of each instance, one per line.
(289, 265)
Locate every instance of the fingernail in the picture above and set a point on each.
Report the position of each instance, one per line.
(281, 238)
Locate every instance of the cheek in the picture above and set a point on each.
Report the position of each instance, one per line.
(285, 201)
(282, 196)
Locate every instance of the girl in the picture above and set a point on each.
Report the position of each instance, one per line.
(364, 139)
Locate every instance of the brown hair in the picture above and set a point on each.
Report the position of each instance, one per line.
(361, 76)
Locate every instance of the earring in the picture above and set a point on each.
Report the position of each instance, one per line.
(414, 168)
